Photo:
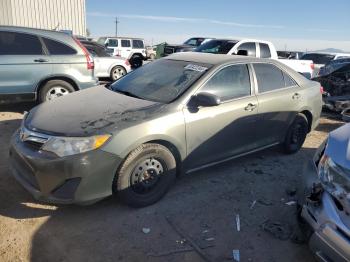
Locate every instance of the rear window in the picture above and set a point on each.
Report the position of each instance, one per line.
(318, 58)
(216, 47)
(162, 80)
(137, 44)
(57, 48)
(12, 43)
(265, 51)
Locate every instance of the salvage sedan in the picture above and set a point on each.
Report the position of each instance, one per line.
(177, 114)
(326, 203)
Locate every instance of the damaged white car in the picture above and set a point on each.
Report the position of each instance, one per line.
(325, 205)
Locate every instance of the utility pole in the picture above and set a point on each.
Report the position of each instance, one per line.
(116, 26)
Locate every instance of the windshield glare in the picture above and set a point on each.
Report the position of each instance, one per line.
(216, 47)
(161, 81)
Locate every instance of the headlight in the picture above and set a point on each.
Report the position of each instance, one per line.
(66, 146)
(333, 176)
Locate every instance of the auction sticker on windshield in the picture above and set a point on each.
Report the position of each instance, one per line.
(196, 68)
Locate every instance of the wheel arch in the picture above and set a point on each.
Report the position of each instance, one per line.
(309, 118)
(42, 82)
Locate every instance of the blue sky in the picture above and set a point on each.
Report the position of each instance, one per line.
(297, 24)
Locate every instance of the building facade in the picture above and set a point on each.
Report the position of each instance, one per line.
(67, 15)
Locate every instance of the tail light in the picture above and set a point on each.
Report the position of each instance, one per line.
(321, 89)
(89, 60)
(127, 62)
(312, 66)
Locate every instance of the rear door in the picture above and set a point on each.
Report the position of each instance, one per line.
(125, 48)
(218, 132)
(23, 62)
(279, 100)
(66, 60)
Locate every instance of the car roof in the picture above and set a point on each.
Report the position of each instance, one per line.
(38, 31)
(122, 37)
(213, 59)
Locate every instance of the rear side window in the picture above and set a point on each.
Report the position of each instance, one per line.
(137, 44)
(265, 51)
(230, 82)
(125, 43)
(57, 48)
(269, 77)
(12, 43)
(249, 47)
(288, 81)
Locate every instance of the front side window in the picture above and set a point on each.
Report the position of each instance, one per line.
(161, 81)
(264, 50)
(229, 83)
(125, 43)
(57, 48)
(269, 77)
(137, 44)
(12, 43)
(113, 43)
(216, 47)
(249, 47)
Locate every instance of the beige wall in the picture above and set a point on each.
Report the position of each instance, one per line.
(45, 14)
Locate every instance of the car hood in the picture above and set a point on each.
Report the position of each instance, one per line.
(92, 111)
(338, 146)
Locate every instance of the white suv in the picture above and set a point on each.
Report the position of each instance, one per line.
(126, 47)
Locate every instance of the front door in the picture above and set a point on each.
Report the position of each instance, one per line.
(218, 132)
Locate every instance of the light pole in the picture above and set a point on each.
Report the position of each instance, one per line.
(116, 26)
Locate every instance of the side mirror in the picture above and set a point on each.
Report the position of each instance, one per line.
(205, 100)
(242, 52)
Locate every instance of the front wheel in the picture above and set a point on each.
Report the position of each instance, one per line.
(54, 89)
(296, 134)
(145, 176)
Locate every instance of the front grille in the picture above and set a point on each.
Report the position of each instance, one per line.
(34, 145)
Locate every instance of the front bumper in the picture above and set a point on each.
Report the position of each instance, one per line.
(81, 179)
(330, 240)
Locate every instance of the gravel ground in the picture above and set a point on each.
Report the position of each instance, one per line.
(203, 206)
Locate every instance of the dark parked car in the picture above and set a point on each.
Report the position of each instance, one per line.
(335, 79)
(176, 114)
(188, 45)
(325, 200)
(42, 65)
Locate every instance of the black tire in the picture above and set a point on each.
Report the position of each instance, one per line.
(149, 190)
(296, 134)
(64, 86)
(136, 61)
(122, 71)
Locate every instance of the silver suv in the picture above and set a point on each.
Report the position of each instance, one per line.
(41, 65)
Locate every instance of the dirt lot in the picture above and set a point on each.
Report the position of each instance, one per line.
(204, 205)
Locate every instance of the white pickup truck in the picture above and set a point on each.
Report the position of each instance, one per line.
(255, 48)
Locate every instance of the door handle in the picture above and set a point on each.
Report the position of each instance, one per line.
(296, 96)
(250, 107)
(40, 60)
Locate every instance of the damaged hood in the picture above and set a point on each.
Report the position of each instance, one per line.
(338, 147)
(92, 111)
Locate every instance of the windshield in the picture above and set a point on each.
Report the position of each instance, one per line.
(334, 66)
(216, 47)
(161, 81)
(318, 58)
(194, 41)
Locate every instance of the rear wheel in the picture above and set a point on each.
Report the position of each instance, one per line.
(145, 176)
(54, 89)
(296, 134)
(136, 61)
(117, 72)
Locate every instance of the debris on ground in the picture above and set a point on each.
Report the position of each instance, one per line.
(146, 230)
(235, 254)
(265, 202)
(291, 203)
(253, 204)
(238, 223)
(190, 241)
(277, 229)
